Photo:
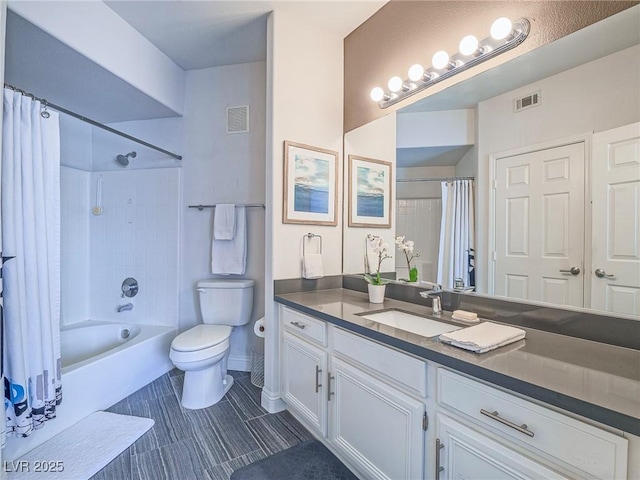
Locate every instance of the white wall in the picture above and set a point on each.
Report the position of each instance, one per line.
(375, 140)
(74, 244)
(593, 97)
(304, 92)
(75, 160)
(422, 189)
(221, 168)
(435, 129)
(216, 168)
(98, 33)
(136, 236)
(418, 219)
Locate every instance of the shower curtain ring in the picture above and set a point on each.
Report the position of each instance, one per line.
(44, 113)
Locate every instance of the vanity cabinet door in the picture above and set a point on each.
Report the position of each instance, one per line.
(464, 453)
(304, 368)
(375, 426)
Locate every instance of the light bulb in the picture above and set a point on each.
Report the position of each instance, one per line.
(440, 60)
(377, 94)
(468, 45)
(395, 84)
(416, 72)
(501, 28)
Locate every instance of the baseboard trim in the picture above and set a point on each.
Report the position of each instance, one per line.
(240, 364)
(272, 402)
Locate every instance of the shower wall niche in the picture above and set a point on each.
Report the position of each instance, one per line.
(135, 233)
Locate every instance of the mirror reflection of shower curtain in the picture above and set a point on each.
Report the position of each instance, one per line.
(456, 256)
(31, 235)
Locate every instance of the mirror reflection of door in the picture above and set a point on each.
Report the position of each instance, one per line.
(540, 215)
(539, 225)
(615, 272)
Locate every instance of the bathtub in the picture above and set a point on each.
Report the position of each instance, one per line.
(102, 363)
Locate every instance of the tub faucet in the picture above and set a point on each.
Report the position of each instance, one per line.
(123, 308)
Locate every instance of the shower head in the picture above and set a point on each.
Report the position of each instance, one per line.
(124, 159)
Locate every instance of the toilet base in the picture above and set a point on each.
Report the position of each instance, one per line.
(203, 388)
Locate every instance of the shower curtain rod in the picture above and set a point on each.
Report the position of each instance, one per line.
(46, 104)
(439, 179)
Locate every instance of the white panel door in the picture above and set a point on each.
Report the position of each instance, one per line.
(375, 426)
(303, 368)
(539, 225)
(615, 284)
(468, 454)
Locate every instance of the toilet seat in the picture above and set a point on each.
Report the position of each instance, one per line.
(200, 342)
(201, 337)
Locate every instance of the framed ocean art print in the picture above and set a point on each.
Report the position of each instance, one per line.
(310, 185)
(369, 192)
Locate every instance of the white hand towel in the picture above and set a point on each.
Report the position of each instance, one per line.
(484, 337)
(224, 221)
(312, 266)
(230, 256)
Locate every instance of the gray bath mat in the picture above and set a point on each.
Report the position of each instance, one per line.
(307, 461)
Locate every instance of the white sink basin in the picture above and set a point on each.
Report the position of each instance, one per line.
(411, 323)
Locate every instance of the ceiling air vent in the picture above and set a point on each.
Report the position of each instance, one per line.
(528, 101)
(238, 119)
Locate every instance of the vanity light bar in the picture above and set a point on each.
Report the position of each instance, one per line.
(504, 37)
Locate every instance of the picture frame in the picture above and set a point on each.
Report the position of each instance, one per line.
(370, 192)
(310, 185)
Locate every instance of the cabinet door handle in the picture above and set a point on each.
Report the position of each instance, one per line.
(318, 372)
(494, 415)
(329, 392)
(301, 326)
(439, 468)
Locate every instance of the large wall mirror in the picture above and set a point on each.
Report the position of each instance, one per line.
(551, 140)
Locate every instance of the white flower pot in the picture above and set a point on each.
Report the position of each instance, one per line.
(376, 293)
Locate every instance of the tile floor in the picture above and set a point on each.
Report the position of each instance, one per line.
(207, 444)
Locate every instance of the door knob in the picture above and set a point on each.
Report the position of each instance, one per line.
(572, 271)
(600, 273)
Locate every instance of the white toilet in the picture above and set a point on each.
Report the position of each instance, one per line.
(202, 351)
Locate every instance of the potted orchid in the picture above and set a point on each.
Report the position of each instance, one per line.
(407, 247)
(377, 284)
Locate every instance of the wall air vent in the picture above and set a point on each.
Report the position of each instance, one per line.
(528, 101)
(238, 119)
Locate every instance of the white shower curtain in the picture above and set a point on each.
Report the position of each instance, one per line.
(456, 256)
(31, 240)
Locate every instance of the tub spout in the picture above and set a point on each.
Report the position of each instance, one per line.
(123, 308)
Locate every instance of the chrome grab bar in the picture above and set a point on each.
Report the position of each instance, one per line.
(494, 415)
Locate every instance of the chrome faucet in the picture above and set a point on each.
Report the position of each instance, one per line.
(124, 308)
(436, 300)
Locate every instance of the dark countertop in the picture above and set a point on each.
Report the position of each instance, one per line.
(591, 379)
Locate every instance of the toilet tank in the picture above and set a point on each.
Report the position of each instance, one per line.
(226, 302)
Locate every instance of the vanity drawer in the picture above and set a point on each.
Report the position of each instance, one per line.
(580, 445)
(304, 325)
(408, 371)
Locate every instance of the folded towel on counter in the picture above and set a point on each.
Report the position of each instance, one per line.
(224, 221)
(230, 256)
(484, 337)
(464, 316)
(312, 266)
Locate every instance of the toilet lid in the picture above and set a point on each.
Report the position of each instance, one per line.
(201, 337)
